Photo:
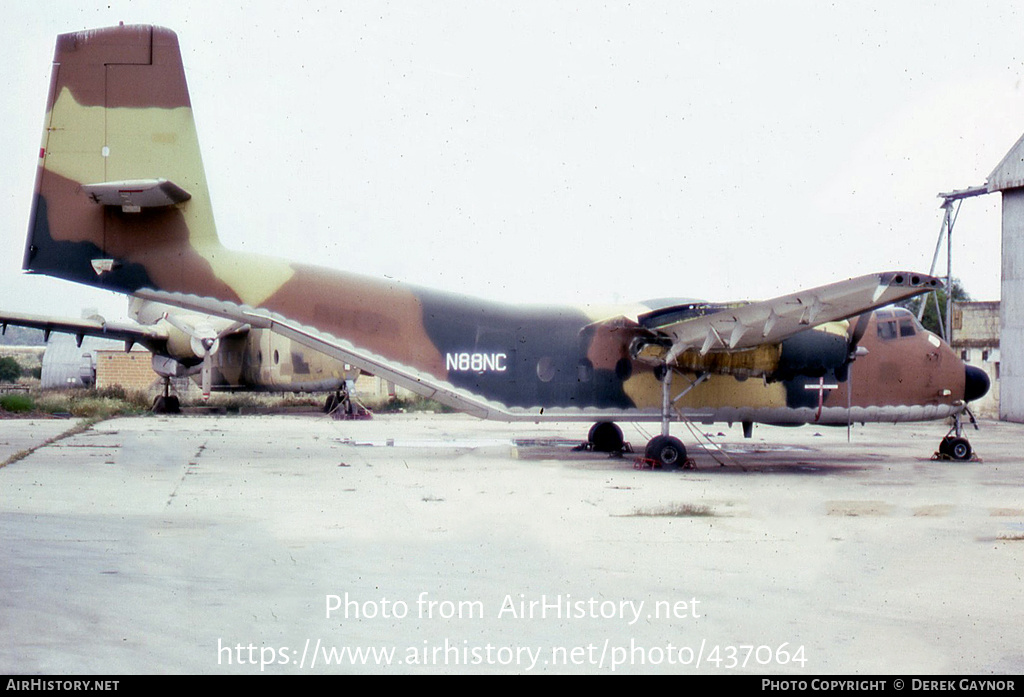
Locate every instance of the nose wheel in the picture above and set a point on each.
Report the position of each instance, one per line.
(955, 448)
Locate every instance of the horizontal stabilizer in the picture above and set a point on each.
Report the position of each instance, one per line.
(136, 194)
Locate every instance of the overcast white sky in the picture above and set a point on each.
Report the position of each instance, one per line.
(567, 152)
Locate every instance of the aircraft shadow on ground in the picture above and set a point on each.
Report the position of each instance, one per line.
(730, 459)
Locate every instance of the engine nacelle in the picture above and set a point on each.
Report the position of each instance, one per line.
(813, 353)
(180, 345)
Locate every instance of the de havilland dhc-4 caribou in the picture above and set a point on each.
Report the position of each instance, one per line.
(121, 202)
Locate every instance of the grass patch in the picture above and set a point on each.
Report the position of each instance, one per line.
(83, 404)
(231, 403)
(248, 402)
(402, 405)
(676, 510)
(16, 403)
(115, 401)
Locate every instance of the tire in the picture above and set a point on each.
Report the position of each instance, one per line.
(166, 405)
(960, 449)
(605, 437)
(956, 448)
(667, 451)
(944, 447)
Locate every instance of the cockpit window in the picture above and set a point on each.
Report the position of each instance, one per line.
(897, 323)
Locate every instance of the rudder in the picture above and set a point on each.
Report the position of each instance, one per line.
(121, 199)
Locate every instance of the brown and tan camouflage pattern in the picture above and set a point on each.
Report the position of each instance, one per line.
(119, 111)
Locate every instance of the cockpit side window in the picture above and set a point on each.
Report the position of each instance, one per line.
(887, 330)
(907, 327)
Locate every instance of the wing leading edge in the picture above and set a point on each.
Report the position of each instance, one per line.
(92, 326)
(767, 322)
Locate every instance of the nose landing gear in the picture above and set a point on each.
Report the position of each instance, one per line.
(954, 446)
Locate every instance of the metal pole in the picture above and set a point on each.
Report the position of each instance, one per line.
(957, 423)
(666, 402)
(938, 246)
(949, 273)
(931, 272)
(938, 313)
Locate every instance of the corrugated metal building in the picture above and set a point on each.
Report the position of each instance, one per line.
(65, 364)
(1008, 179)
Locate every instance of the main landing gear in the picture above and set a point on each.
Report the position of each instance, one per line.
(339, 404)
(342, 406)
(167, 403)
(606, 437)
(668, 452)
(664, 451)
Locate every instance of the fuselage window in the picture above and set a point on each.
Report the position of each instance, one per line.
(546, 369)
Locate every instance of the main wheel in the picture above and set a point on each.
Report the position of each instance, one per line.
(605, 437)
(331, 404)
(667, 451)
(166, 405)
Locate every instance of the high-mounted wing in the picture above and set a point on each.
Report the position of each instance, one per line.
(745, 326)
(130, 333)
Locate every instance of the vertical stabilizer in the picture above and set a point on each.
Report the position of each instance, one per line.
(120, 182)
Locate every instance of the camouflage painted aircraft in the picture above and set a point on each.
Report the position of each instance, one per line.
(219, 353)
(121, 202)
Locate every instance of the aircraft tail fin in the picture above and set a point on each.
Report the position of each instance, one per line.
(120, 181)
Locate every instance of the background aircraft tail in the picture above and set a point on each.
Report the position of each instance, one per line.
(121, 199)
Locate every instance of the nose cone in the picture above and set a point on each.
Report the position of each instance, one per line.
(976, 383)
